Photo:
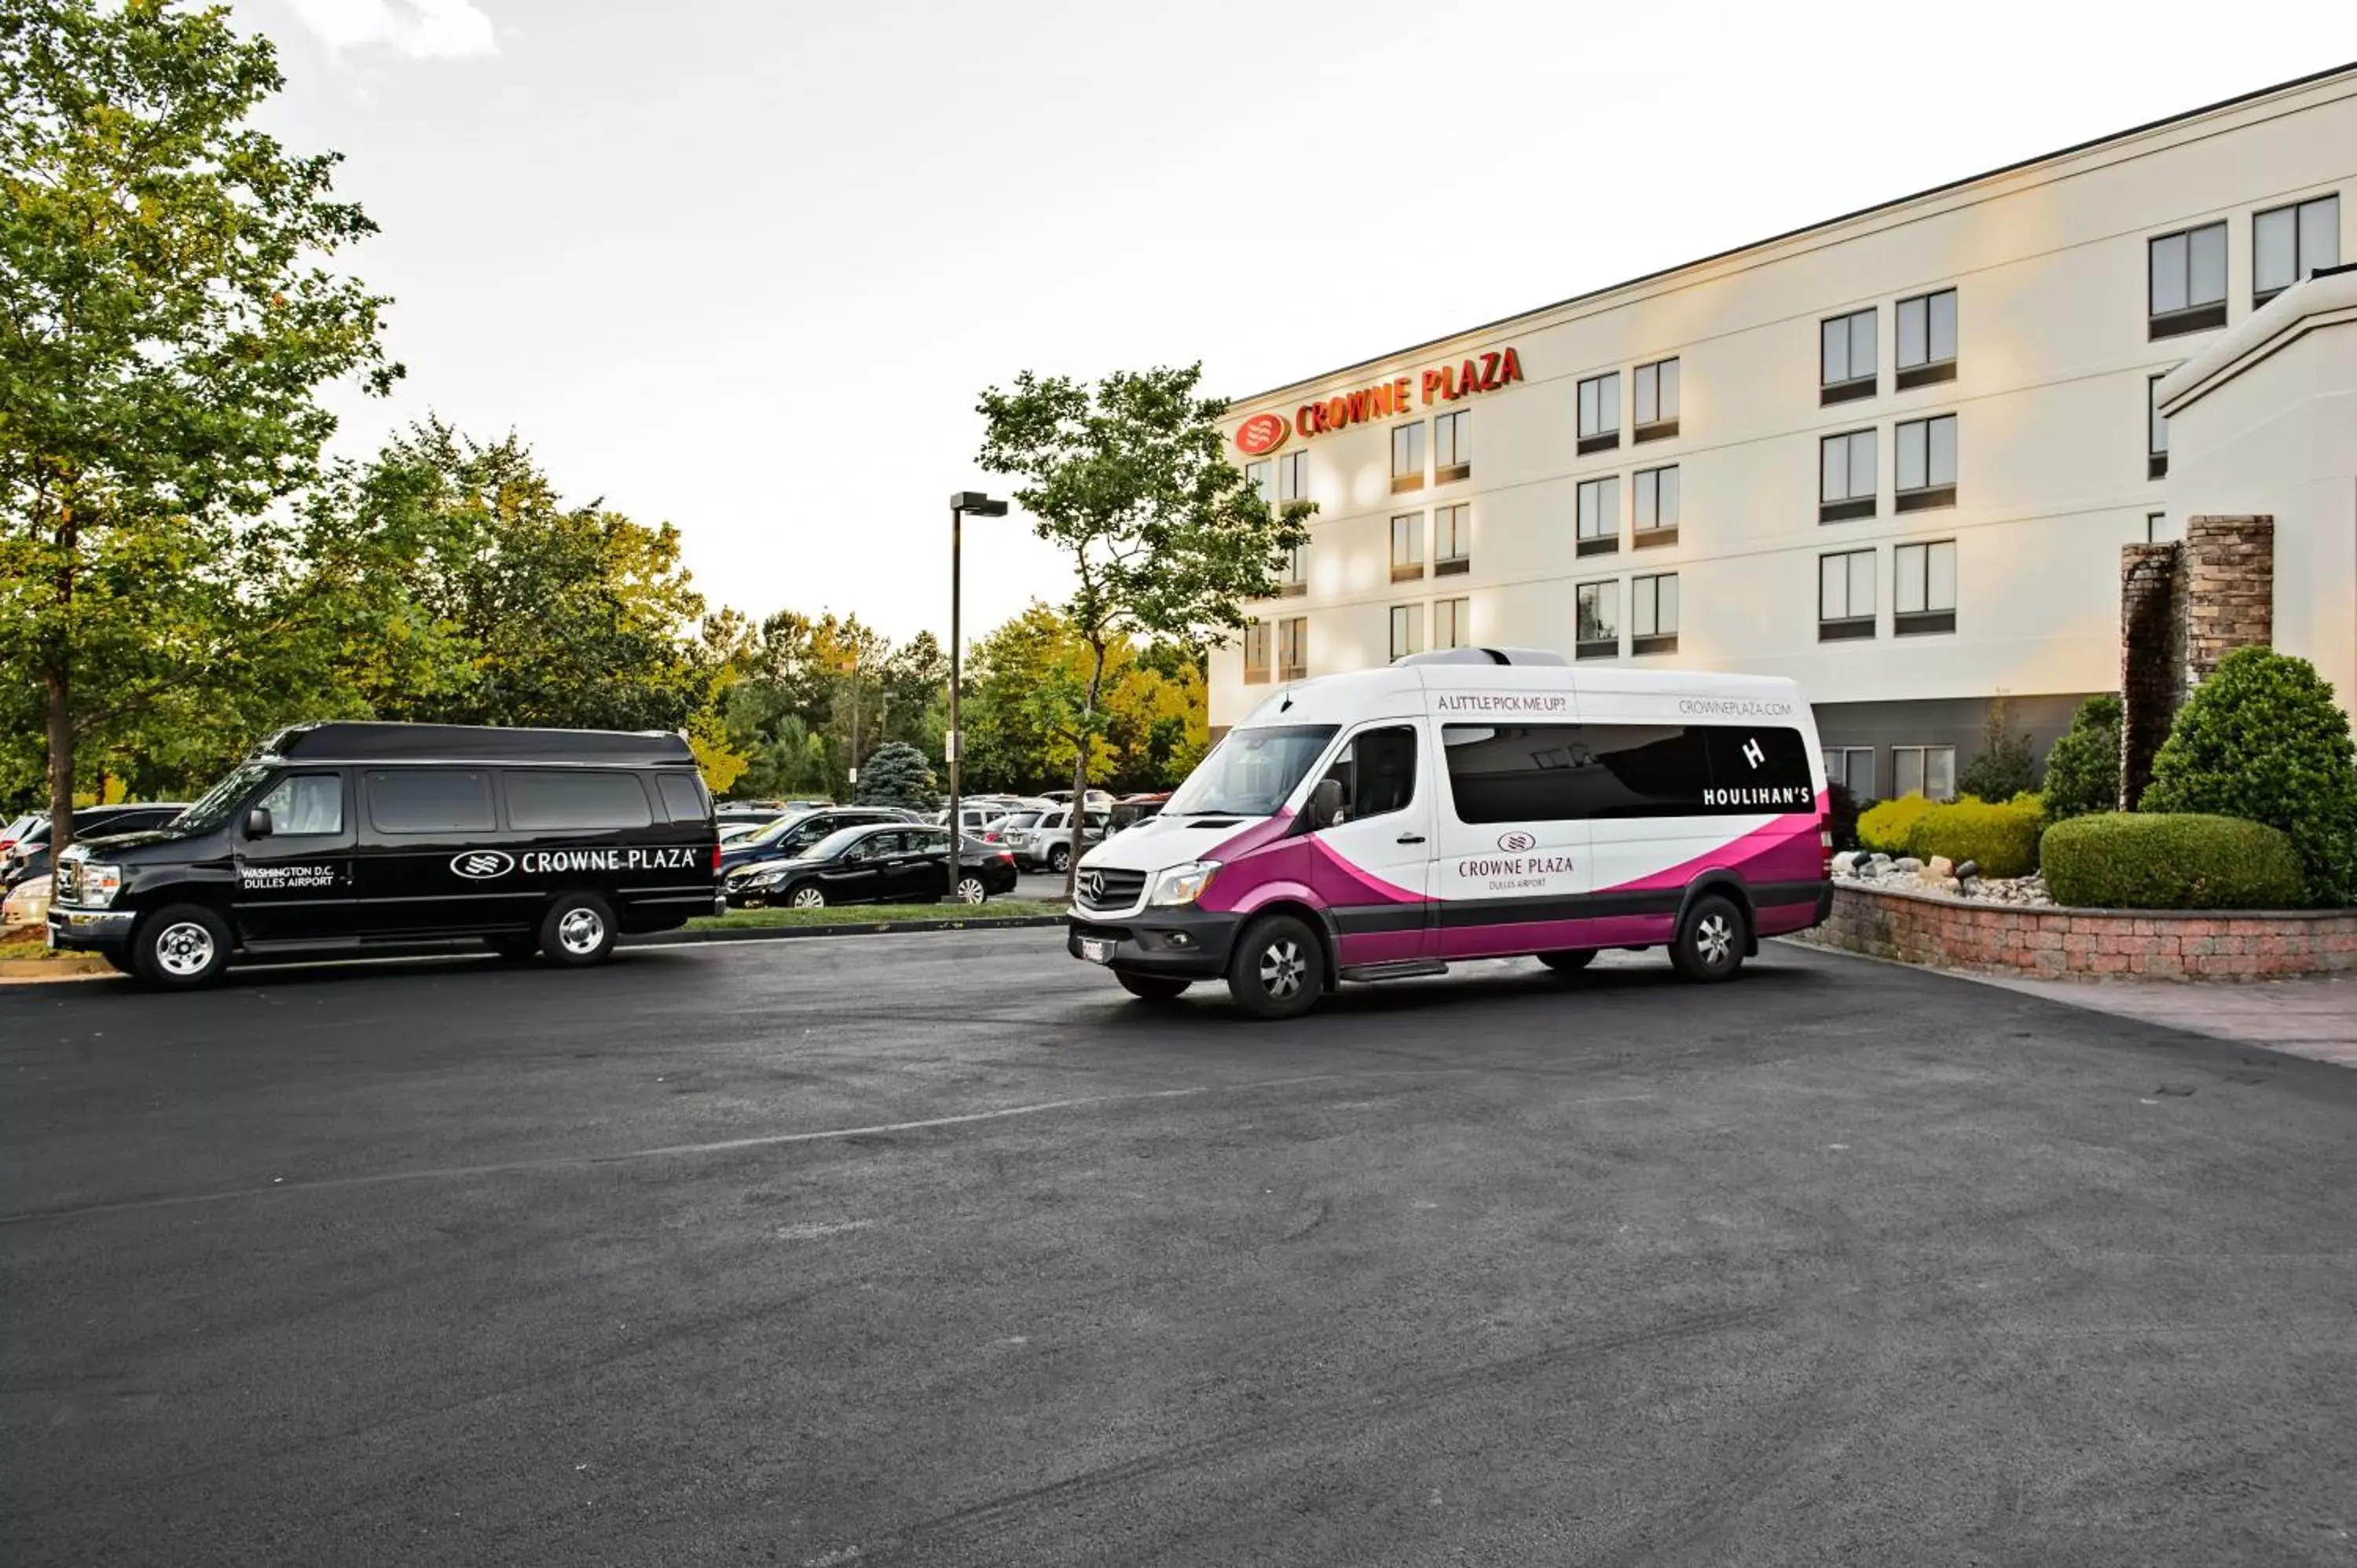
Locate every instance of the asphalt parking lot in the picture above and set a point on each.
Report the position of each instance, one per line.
(935, 1250)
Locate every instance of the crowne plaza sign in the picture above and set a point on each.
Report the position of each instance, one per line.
(1486, 372)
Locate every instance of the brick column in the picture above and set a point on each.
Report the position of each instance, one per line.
(2152, 659)
(2230, 599)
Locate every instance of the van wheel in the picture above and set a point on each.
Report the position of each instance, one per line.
(1278, 969)
(1153, 987)
(1709, 944)
(1059, 859)
(1568, 962)
(578, 929)
(118, 961)
(182, 945)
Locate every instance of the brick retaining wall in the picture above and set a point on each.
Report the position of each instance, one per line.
(2089, 944)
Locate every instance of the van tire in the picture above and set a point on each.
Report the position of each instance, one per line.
(1153, 987)
(514, 949)
(1710, 939)
(181, 946)
(1278, 969)
(578, 930)
(1570, 962)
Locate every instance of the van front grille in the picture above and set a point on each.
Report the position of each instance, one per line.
(1105, 889)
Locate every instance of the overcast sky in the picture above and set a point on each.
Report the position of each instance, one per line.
(744, 264)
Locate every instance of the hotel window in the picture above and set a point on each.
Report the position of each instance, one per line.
(1293, 649)
(1600, 516)
(1657, 507)
(1927, 339)
(1255, 652)
(1852, 768)
(1452, 446)
(1452, 541)
(1407, 630)
(2189, 281)
(1926, 770)
(1846, 360)
(1599, 620)
(1657, 402)
(1927, 464)
(1262, 478)
(1452, 622)
(1407, 456)
(1294, 579)
(1408, 546)
(1293, 477)
(1599, 413)
(1923, 588)
(1653, 614)
(2289, 242)
(1845, 596)
(2157, 529)
(1845, 482)
(2155, 464)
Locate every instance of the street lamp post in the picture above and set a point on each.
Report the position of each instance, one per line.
(980, 505)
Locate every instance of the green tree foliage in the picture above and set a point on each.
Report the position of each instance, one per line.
(1028, 677)
(2262, 739)
(2082, 765)
(2008, 764)
(165, 319)
(1167, 540)
(898, 775)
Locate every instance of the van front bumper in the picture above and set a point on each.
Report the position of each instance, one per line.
(90, 930)
(1181, 942)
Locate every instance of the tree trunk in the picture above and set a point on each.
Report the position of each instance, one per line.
(1081, 772)
(58, 723)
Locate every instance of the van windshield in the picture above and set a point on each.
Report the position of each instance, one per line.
(1251, 772)
(218, 804)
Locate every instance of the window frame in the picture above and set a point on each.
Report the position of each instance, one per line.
(1923, 755)
(278, 830)
(2193, 316)
(1411, 617)
(1257, 636)
(1260, 476)
(1644, 536)
(1408, 478)
(1293, 577)
(1293, 648)
(1844, 753)
(1454, 522)
(510, 774)
(1932, 619)
(1849, 626)
(1292, 476)
(1600, 437)
(1657, 641)
(1460, 613)
(1850, 506)
(1664, 423)
(1854, 386)
(1932, 368)
(2301, 268)
(2156, 429)
(1459, 424)
(486, 773)
(1598, 647)
(1934, 492)
(1348, 748)
(1598, 544)
(1411, 569)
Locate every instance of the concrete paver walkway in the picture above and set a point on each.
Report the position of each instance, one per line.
(2315, 1018)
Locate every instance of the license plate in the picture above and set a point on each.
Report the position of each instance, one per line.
(1096, 949)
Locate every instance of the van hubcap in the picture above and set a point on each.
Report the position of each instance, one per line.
(1282, 967)
(184, 950)
(1715, 939)
(580, 931)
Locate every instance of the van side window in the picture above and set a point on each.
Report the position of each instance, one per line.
(305, 803)
(683, 798)
(430, 800)
(1377, 771)
(578, 799)
(1598, 772)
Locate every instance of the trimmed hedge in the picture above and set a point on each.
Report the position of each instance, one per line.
(2118, 860)
(2000, 834)
(1884, 829)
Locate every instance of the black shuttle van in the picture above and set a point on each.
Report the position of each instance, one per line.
(342, 837)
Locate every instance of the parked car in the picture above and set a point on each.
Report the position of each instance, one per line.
(1064, 798)
(17, 828)
(28, 904)
(1048, 843)
(789, 836)
(732, 829)
(1132, 809)
(893, 863)
(30, 856)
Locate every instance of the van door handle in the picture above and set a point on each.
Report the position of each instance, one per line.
(1411, 838)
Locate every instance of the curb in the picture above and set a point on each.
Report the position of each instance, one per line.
(836, 929)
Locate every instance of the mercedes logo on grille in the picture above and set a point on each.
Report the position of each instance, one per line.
(1092, 887)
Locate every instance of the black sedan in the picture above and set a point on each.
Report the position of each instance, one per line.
(790, 835)
(875, 865)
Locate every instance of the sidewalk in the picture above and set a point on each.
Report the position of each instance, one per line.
(2315, 1018)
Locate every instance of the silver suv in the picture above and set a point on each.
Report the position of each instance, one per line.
(1048, 842)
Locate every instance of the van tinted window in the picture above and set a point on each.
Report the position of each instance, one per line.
(578, 799)
(1523, 773)
(1377, 771)
(430, 800)
(683, 798)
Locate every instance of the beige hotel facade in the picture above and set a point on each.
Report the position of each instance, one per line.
(1893, 457)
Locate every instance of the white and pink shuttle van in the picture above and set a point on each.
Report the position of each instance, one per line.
(1472, 803)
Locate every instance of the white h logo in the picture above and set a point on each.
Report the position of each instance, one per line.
(1753, 754)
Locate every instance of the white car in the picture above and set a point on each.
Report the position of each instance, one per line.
(1048, 842)
(28, 904)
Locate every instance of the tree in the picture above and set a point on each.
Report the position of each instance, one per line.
(2083, 766)
(1165, 535)
(896, 775)
(2007, 766)
(165, 324)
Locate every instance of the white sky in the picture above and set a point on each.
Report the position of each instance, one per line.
(745, 266)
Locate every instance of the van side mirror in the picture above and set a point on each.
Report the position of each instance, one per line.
(1325, 803)
(257, 823)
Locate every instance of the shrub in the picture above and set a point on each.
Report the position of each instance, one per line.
(2118, 860)
(2007, 766)
(2002, 835)
(2261, 739)
(1884, 828)
(2083, 766)
(1841, 816)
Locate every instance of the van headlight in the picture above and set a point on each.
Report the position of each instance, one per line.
(95, 884)
(1183, 884)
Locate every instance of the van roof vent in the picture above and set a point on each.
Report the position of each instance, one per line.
(1541, 656)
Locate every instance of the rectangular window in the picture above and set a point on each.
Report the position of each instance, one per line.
(1852, 768)
(1293, 579)
(1923, 588)
(1657, 507)
(1657, 401)
(2155, 464)
(1452, 541)
(1408, 546)
(1927, 339)
(1452, 623)
(2187, 292)
(2157, 529)
(1452, 446)
(576, 799)
(1926, 770)
(1407, 456)
(1407, 630)
(1926, 460)
(1293, 477)
(1599, 631)
(1845, 476)
(1846, 357)
(1600, 516)
(1262, 478)
(1554, 773)
(684, 798)
(1845, 596)
(1376, 770)
(1653, 614)
(1255, 652)
(442, 800)
(1599, 413)
(2291, 242)
(305, 803)
(1293, 649)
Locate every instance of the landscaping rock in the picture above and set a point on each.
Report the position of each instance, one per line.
(1908, 864)
(1846, 862)
(1942, 866)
